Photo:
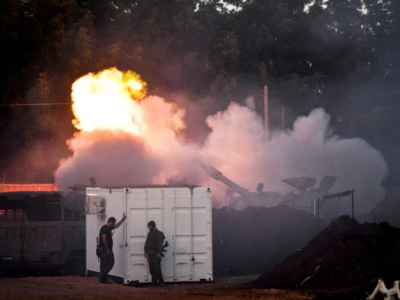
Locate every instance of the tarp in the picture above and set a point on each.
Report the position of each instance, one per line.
(73, 200)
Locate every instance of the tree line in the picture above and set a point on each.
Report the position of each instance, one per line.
(342, 55)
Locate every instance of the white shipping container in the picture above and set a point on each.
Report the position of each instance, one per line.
(183, 214)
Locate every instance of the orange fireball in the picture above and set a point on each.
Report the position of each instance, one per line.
(111, 100)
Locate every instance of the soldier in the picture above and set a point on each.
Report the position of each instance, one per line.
(152, 251)
(105, 247)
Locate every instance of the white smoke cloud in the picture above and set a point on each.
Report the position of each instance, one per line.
(237, 146)
(118, 157)
(250, 102)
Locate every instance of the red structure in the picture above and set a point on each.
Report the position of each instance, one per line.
(45, 187)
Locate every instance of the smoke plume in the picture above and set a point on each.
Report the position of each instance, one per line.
(237, 146)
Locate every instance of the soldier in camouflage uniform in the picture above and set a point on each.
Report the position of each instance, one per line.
(152, 251)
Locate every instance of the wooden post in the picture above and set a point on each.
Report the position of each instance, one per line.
(266, 111)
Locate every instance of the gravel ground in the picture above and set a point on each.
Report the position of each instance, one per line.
(74, 288)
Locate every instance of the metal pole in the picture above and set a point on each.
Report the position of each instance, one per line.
(352, 204)
(317, 215)
(62, 227)
(266, 110)
(191, 256)
(315, 207)
(282, 151)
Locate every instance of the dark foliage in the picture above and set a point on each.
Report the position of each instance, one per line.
(341, 55)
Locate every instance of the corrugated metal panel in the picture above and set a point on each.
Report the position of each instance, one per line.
(45, 187)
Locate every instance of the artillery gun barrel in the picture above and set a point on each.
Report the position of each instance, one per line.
(217, 175)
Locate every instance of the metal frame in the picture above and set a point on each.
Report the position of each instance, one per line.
(332, 196)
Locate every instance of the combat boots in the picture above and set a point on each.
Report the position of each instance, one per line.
(102, 278)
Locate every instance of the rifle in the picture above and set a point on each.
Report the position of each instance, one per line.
(163, 248)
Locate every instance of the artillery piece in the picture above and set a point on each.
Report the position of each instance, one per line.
(246, 198)
(302, 198)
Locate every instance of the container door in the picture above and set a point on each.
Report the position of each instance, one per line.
(142, 206)
(202, 233)
(114, 201)
(183, 231)
(188, 230)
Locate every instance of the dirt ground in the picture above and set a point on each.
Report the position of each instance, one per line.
(329, 263)
(74, 288)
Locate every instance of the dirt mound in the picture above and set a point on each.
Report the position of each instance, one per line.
(331, 262)
(256, 239)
